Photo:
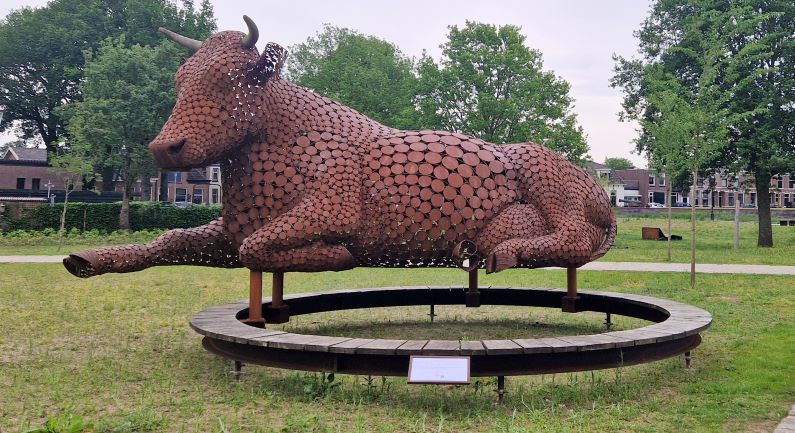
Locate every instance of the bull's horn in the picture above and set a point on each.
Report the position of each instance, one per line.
(253, 33)
(191, 44)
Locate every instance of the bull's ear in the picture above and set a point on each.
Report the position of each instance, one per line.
(270, 63)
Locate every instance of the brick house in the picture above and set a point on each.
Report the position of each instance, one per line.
(27, 169)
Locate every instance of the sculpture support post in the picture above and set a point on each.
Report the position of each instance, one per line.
(255, 300)
(569, 302)
(277, 311)
(473, 295)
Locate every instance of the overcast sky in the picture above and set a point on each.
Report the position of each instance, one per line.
(576, 37)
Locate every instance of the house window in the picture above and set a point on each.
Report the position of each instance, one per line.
(651, 197)
(662, 179)
(35, 184)
(792, 180)
(175, 177)
(20, 183)
(181, 195)
(198, 196)
(704, 198)
(731, 199)
(780, 182)
(753, 199)
(215, 174)
(651, 180)
(215, 195)
(724, 182)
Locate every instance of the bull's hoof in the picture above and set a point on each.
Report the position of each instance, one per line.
(82, 264)
(497, 262)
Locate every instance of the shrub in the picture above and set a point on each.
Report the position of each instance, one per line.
(104, 217)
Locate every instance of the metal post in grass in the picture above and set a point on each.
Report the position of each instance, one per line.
(255, 300)
(569, 302)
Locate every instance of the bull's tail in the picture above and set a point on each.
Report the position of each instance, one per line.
(607, 241)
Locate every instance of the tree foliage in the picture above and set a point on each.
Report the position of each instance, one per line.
(618, 163)
(736, 55)
(363, 72)
(491, 85)
(127, 96)
(41, 52)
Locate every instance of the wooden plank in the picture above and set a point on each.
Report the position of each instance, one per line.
(411, 347)
(533, 345)
(501, 347)
(472, 348)
(442, 347)
(558, 345)
(349, 346)
(380, 347)
(321, 343)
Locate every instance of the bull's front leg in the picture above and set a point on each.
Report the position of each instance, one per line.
(206, 245)
(303, 239)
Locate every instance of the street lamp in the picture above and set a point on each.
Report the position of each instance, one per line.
(48, 185)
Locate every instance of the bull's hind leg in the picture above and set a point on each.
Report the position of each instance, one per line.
(567, 247)
(512, 225)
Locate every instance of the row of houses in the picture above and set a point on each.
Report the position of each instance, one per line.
(24, 175)
(640, 187)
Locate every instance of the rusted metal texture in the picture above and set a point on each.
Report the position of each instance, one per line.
(312, 185)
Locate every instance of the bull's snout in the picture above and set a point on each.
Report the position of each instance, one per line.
(168, 153)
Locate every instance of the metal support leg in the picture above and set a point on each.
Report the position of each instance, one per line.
(608, 321)
(255, 300)
(238, 370)
(277, 311)
(473, 295)
(688, 358)
(500, 389)
(569, 303)
(432, 314)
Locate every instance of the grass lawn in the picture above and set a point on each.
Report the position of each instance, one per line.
(117, 350)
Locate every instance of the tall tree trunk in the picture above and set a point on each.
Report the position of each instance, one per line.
(737, 220)
(62, 229)
(693, 230)
(163, 186)
(669, 219)
(107, 179)
(765, 238)
(124, 215)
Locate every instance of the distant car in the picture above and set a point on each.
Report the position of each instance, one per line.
(182, 204)
(682, 204)
(656, 205)
(749, 205)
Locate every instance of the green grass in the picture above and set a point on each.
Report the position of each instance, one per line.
(714, 243)
(117, 350)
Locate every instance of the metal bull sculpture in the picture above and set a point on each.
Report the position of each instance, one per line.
(312, 185)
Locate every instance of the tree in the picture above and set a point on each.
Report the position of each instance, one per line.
(127, 96)
(489, 84)
(364, 72)
(74, 166)
(753, 57)
(41, 52)
(618, 163)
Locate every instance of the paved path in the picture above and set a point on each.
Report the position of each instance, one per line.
(593, 266)
(787, 425)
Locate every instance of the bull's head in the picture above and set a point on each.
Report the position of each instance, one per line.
(219, 97)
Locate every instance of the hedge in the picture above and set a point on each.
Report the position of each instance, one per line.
(105, 216)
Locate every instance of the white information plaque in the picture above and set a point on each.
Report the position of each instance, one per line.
(439, 369)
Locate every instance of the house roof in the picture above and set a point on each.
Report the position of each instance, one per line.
(591, 165)
(25, 154)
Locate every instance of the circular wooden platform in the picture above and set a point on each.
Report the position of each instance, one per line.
(675, 331)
